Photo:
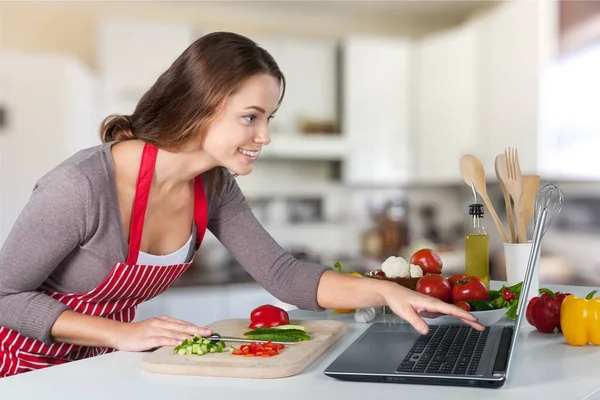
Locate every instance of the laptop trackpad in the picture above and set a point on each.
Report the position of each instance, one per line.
(380, 351)
(387, 338)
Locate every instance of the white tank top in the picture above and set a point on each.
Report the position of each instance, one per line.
(181, 256)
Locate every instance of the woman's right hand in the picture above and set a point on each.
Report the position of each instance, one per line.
(411, 306)
(154, 332)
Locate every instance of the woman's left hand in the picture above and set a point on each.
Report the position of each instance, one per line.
(410, 305)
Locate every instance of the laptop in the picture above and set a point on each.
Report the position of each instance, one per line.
(449, 354)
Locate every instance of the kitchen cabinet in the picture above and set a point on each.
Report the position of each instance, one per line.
(515, 44)
(132, 54)
(446, 67)
(51, 109)
(479, 89)
(376, 75)
(310, 68)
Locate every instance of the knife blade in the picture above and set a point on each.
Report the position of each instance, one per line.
(216, 337)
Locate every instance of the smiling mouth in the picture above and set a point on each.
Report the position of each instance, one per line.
(249, 153)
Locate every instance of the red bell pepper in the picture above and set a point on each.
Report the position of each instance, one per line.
(543, 312)
(560, 297)
(268, 316)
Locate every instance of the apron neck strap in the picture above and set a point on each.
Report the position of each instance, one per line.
(142, 191)
(200, 210)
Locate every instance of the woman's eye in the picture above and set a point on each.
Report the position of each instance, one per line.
(250, 118)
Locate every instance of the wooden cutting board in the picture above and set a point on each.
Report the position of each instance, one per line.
(291, 361)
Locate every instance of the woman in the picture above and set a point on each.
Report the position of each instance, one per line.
(117, 224)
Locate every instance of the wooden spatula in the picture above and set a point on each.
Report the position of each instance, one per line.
(473, 173)
(531, 185)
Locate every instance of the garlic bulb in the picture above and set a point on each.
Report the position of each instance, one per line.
(364, 315)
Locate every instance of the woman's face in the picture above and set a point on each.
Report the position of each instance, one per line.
(235, 138)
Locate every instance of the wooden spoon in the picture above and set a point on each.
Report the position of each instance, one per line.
(531, 185)
(472, 172)
(501, 172)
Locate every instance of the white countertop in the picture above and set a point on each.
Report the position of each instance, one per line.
(545, 367)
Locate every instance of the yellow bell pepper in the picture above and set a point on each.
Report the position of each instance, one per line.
(338, 266)
(580, 319)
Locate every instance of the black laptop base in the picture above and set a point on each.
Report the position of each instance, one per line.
(469, 382)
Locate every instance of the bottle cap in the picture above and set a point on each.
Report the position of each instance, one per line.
(476, 210)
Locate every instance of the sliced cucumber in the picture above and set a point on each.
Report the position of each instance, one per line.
(199, 346)
(298, 327)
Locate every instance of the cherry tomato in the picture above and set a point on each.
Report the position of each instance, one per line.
(464, 305)
(429, 261)
(436, 286)
(470, 288)
(456, 277)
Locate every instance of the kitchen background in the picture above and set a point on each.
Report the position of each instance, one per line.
(383, 99)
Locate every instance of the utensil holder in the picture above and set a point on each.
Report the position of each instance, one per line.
(516, 256)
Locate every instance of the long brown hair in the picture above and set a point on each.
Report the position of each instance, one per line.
(189, 94)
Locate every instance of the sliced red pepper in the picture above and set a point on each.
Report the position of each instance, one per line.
(259, 349)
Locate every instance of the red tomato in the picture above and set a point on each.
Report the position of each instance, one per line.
(436, 286)
(429, 261)
(456, 277)
(464, 305)
(470, 288)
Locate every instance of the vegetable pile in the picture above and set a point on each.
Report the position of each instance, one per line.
(199, 346)
(423, 262)
(268, 324)
(470, 293)
(577, 318)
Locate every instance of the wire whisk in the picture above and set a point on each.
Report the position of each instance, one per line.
(551, 198)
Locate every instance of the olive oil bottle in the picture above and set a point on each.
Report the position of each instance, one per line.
(477, 246)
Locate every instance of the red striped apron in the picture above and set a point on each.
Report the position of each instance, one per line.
(117, 297)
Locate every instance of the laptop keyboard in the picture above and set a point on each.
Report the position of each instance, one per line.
(446, 349)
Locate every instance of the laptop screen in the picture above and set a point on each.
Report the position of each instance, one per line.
(533, 256)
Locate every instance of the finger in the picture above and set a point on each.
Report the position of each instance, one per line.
(427, 314)
(411, 316)
(183, 326)
(165, 341)
(451, 309)
(455, 311)
(174, 320)
(475, 325)
(173, 334)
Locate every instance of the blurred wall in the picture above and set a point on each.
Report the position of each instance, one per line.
(71, 26)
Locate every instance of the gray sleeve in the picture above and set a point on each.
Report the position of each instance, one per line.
(51, 225)
(285, 277)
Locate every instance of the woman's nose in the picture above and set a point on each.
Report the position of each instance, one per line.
(262, 136)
